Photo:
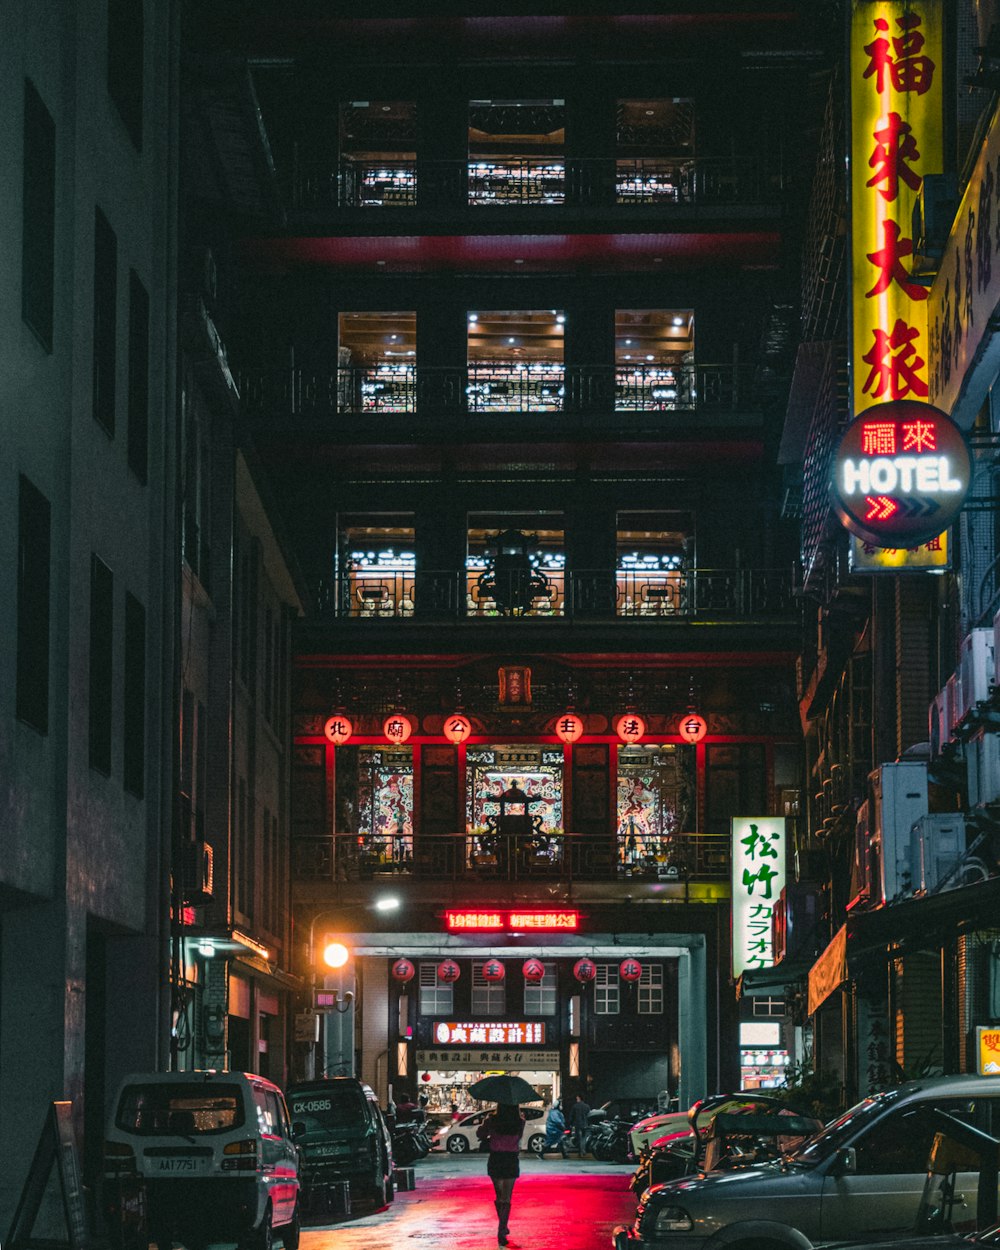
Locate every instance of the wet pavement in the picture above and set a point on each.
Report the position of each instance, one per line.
(558, 1205)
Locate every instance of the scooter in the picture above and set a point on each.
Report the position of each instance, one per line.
(409, 1142)
(610, 1142)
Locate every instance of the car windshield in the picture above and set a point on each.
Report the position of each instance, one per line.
(841, 1130)
(184, 1110)
(323, 1109)
(988, 1237)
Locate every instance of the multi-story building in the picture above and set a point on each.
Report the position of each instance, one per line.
(88, 532)
(512, 360)
(896, 680)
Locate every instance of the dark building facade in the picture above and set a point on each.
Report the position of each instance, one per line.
(512, 346)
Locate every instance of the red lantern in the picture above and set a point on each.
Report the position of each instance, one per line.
(457, 727)
(493, 970)
(584, 970)
(692, 727)
(533, 970)
(397, 728)
(403, 971)
(630, 970)
(630, 728)
(338, 729)
(425, 1076)
(569, 727)
(448, 971)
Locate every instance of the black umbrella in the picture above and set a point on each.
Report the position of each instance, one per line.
(510, 1089)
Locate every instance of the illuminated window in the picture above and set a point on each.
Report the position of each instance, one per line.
(378, 165)
(489, 998)
(541, 997)
(376, 564)
(655, 557)
(516, 152)
(436, 997)
(607, 991)
(655, 150)
(650, 998)
(516, 361)
(654, 360)
(515, 564)
(377, 362)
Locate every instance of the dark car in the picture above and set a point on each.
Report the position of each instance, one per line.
(343, 1137)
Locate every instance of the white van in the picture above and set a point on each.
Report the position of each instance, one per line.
(214, 1154)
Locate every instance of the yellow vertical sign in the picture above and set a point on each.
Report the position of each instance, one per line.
(896, 91)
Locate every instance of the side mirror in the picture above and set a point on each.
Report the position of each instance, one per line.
(845, 1162)
(298, 1128)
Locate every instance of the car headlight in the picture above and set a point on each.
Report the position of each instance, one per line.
(672, 1220)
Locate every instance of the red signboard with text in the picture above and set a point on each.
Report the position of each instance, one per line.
(478, 919)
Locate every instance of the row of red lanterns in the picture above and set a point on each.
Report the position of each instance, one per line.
(533, 970)
(398, 727)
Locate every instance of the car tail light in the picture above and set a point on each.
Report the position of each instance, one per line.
(118, 1157)
(245, 1153)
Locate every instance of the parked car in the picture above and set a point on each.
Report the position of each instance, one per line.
(862, 1176)
(214, 1153)
(459, 1138)
(344, 1137)
(647, 1130)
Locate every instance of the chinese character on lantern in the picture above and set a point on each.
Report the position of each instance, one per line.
(493, 970)
(402, 970)
(448, 971)
(569, 727)
(630, 728)
(630, 970)
(692, 727)
(533, 970)
(584, 970)
(457, 727)
(338, 729)
(397, 728)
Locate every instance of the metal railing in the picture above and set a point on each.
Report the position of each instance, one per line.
(683, 594)
(481, 856)
(532, 181)
(475, 389)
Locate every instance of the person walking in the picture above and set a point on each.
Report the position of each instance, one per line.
(555, 1131)
(501, 1132)
(579, 1124)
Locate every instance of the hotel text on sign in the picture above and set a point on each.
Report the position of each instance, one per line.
(518, 1033)
(758, 879)
(497, 921)
(901, 474)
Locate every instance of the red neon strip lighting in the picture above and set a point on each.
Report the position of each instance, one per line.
(471, 921)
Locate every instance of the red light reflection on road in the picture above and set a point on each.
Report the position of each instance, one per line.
(558, 1211)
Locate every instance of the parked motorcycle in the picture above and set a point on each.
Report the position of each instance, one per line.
(410, 1142)
(609, 1141)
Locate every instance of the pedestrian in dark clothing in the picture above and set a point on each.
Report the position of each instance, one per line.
(406, 1110)
(501, 1131)
(555, 1131)
(579, 1124)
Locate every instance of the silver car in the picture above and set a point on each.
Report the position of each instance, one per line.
(863, 1174)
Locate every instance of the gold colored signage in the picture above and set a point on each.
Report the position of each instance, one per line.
(988, 1050)
(933, 555)
(896, 83)
(829, 971)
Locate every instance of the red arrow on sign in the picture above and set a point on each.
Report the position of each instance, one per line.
(880, 508)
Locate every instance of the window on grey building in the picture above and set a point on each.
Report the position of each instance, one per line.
(101, 663)
(541, 997)
(138, 377)
(33, 594)
(607, 992)
(126, 63)
(650, 996)
(38, 215)
(768, 1007)
(436, 997)
(489, 998)
(134, 718)
(105, 320)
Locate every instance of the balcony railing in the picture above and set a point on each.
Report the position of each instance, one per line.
(530, 181)
(566, 856)
(681, 595)
(541, 386)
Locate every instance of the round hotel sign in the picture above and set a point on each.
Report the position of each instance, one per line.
(901, 474)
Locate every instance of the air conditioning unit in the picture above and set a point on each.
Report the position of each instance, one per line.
(982, 761)
(197, 872)
(898, 800)
(938, 724)
(975, 671)
(796, 914)
(861, 868)
(938, 846)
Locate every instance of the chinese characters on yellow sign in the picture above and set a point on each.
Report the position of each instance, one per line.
(896, 138)
(866, 558)
(758, 878)
(988, 1040)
